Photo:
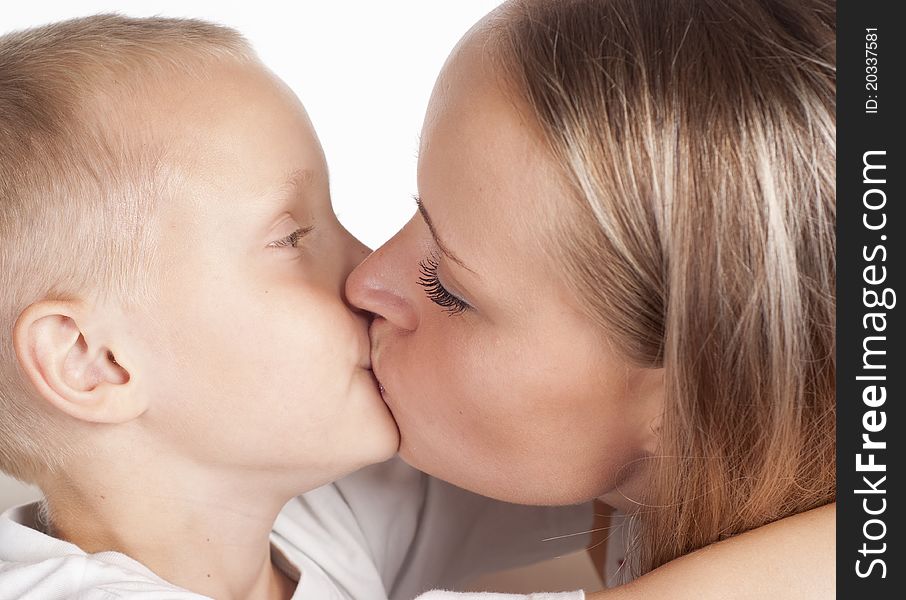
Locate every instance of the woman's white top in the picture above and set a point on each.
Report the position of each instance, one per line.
(387, 532)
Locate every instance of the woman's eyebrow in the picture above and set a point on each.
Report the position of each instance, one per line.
(437, 240)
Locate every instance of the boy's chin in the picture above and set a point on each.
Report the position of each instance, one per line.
(386, 438)
(370, 450)
(377, 435)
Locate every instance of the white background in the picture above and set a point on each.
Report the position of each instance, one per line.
(364, 70)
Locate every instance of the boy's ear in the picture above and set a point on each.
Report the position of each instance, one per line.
(73, 370)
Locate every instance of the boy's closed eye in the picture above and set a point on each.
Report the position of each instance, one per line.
(291, 240)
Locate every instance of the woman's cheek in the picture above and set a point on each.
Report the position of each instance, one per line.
(429, 390)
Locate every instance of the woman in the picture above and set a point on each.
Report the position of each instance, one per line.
(620, 283)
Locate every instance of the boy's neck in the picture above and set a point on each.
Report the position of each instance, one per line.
(208, 533)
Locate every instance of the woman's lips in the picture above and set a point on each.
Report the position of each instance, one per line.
(380, 385)
(375, 360)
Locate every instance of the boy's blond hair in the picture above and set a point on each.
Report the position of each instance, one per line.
(78, 183)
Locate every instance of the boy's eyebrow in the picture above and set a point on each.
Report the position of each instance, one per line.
(296, 184)
(297, 180)
(437, 240)
(286, 195)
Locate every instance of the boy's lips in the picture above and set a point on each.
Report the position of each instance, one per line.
(365, 362)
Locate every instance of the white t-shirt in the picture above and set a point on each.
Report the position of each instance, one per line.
(387, 532)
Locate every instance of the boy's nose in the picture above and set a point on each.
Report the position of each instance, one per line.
(378, 286)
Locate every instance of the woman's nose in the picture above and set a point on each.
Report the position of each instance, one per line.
(357, 252)
(379, 285)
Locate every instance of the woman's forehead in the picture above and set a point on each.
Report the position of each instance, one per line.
(490, 188)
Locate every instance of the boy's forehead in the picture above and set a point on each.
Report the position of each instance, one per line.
(232, 100)
(238, 129)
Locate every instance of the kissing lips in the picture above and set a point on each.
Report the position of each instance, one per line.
(381, 387)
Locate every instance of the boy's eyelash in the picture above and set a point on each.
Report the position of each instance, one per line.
(435, 290)
(292, 239)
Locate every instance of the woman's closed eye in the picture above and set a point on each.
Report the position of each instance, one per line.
(436, 291)
(291, 240)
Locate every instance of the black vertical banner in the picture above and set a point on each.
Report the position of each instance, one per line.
(871, 269)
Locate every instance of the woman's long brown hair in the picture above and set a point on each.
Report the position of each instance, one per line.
(699, 137)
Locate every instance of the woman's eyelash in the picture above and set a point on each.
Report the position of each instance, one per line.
(292, 239)
(435, 290)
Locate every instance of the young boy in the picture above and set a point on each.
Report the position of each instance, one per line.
(177, 360)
